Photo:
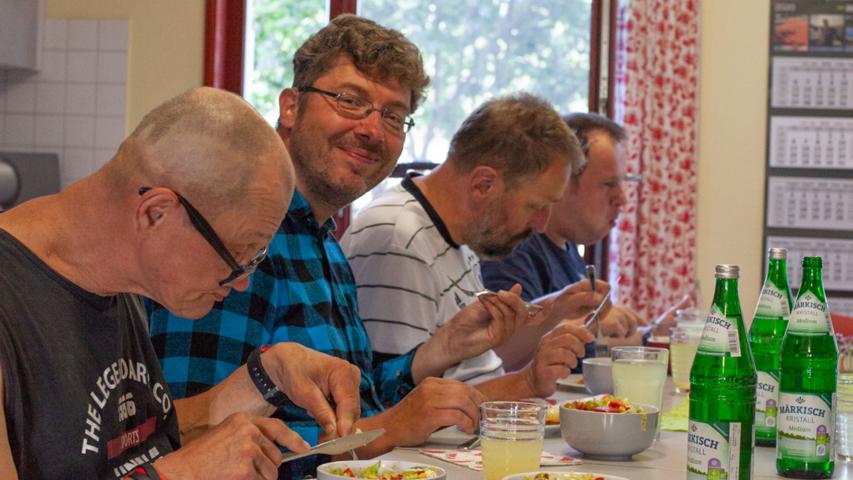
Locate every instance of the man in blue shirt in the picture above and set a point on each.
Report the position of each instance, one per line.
(344, 123)
(548, 261)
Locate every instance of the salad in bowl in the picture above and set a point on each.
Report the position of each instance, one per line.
(378, 470)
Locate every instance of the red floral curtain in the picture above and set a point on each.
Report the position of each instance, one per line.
(653, 248)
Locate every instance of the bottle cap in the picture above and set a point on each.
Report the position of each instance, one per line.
(727, 271)
(776, 253)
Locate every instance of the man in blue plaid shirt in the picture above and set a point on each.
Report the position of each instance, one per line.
(304, 291)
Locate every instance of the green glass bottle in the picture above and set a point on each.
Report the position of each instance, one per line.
(807, 384)
(765, 339)
(722, 390)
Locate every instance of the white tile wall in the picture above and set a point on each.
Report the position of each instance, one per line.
(75, 105)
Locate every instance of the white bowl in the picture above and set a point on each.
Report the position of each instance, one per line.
(359, 465)
(598, 375)
(609, 435)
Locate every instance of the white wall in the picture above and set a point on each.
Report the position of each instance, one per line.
(105, 64)
(166, 48)
(732, 124)
(75, 105)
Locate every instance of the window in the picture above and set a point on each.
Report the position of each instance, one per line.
(275, 29)
(474, 50)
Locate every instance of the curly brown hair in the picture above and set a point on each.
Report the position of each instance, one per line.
(519, 135)
(379, 52)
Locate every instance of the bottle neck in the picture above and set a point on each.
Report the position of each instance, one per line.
(812, 282)
(726, 296)
(777, 272)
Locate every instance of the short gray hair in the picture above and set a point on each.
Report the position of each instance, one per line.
(208, 145)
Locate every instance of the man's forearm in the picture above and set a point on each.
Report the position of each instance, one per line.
(384, 443)
(236, 393)
(512, 386)
(519, 349)
(433, 357)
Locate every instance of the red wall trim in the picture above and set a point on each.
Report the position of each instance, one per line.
(337, 7)
(594, 55)
(224, 39)
(598, 253)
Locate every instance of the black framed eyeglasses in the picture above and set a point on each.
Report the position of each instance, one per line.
(355, 107)
(238, 272)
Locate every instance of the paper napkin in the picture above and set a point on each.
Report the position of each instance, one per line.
(473, 458)
(675, 420)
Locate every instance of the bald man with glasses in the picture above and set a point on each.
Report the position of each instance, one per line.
(83, 392)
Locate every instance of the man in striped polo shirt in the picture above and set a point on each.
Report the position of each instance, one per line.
(415, 250)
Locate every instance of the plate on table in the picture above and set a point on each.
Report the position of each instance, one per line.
(543, 475)
(572, 383)
(552, 415)
(552, 418)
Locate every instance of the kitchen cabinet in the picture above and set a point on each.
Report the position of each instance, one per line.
(20, 39)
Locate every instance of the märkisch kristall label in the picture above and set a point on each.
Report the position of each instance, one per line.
(806, 426)
(720, 335)
(713, 450)
(810, 316)
(773, 303)
(766, 400)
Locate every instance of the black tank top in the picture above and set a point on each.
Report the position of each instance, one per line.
(84, 394)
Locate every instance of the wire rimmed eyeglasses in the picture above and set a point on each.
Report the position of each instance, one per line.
(355, 107)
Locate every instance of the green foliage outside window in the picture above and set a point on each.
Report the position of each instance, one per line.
(277, 29)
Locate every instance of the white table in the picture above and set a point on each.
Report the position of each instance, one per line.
(666, 459)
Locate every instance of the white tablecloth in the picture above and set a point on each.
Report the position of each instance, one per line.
(666, 459)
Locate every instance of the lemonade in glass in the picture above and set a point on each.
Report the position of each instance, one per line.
(683, 343)
(639, 374)
(511, 437)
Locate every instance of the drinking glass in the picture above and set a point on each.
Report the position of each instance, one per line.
(511, 437)
(683, 343)
(639, 374)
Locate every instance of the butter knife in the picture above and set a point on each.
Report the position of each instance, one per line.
(337, 445)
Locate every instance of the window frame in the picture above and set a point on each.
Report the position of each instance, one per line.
(601, 85)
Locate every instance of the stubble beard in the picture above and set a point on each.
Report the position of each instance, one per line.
(489, 241)
(315, 169)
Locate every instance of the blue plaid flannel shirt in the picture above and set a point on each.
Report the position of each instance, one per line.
(303, 292)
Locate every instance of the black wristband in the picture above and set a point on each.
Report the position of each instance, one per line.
(266, 387)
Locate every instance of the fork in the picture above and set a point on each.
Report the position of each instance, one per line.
(470, 444)
(602, 349)
(532, 308)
